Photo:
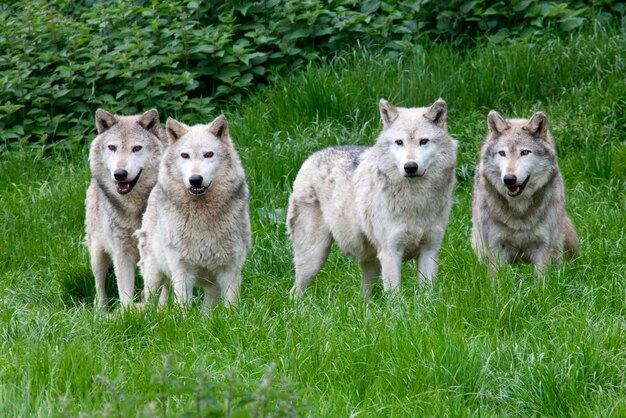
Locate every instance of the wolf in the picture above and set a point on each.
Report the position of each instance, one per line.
(124, 161)
(382, 205)
(196, 229)
(518, 202)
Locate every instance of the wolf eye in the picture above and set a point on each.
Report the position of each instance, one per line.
(184, 155)
(112, 148)
(424, 141)
(502, 153)
(209, 154)
(525, 152)
(399, 142)
(137, 148)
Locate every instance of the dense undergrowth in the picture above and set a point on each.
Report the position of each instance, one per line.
(63, 59)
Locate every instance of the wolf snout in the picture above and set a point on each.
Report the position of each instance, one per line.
(509, 179)
(120, 174)
(410, 168)
(195, 180)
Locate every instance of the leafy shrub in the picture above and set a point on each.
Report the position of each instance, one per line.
(272, 396)
(63, 59)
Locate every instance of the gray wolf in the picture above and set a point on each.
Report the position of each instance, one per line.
(124, 160)
(196, 229)
(382, 205)
(518, 208)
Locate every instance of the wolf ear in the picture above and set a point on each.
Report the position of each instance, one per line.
(174, 130)
(497, 124)
(438, 113)
(150, 122)
(219, 127)
(104, 120)
(388, 112)
(537, 126)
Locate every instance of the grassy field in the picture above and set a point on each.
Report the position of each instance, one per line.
(460, 348)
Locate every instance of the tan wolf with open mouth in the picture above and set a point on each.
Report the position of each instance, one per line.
(124, 161)
(518, 210)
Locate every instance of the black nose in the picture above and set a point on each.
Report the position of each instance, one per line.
(120, 174)
(410, 167)
(195, 180)
(509, 179)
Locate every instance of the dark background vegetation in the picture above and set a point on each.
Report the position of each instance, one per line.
(63, 59)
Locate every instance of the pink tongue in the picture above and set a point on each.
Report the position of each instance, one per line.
(513, 189)
(123, 187)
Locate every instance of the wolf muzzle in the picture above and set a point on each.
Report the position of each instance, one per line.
(196, 188)
(124, 187)
(410, 169)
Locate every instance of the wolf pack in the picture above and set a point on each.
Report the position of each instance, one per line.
(174, 202)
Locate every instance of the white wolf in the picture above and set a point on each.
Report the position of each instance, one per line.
(124, 159)
(519, 197)
(382, 205)
(196, 229)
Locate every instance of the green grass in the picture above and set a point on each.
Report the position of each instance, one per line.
(462, 347)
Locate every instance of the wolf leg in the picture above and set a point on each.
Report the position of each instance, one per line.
(124, 266)
(183, 283)
(541, 259)
(152, 281)
(391, 263)
(229, 282)
(370, 270)
(163, 296)
(311, 244)
(100, 264)
(428, 264)
(497, 257)
(211, 297)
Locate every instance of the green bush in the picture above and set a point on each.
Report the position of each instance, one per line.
(63, 59)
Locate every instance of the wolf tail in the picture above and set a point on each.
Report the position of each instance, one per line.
(292, 216)
(572, 242)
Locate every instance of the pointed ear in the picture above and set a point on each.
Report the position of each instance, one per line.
(537, 126)
(219, 127)
(438, 113)
(174, 130)
(497, 124)
(388, 113)
(104, 120)
(150, 122)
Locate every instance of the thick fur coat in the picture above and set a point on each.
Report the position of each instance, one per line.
(124, 160)
(196, 229)
(518, 209)
(382, 205)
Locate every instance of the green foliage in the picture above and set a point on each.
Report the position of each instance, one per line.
(230, 397)
(63, 59)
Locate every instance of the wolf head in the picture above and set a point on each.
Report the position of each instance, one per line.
(196, 153)
(518, 154)
(413, 137)
(125, 147)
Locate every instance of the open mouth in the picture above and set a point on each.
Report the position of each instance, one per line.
(412, 175)
(514, 191)
(197, 191)
(124, 187)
